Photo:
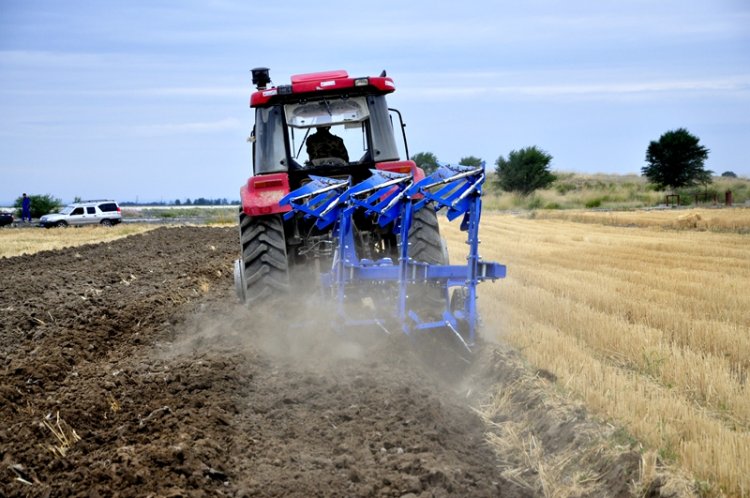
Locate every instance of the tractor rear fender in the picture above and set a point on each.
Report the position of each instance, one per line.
(409, 167)
(402, 167)
(261, 194)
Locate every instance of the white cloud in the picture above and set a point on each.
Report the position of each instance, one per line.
(738, 86)
(203, 127)
(50, 59)
(196, 91)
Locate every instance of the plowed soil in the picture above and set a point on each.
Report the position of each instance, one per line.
(128, 369)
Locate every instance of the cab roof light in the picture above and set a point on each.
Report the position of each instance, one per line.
(361, 82)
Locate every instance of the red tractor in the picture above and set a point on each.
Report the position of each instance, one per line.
(330, 125)
(334, 200)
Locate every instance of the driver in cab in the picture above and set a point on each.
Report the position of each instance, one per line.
(325, 148)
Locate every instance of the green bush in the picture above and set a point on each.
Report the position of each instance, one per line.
(525, 170)
(40, 205)
(535, 202)
(564, 188)
(594, 203)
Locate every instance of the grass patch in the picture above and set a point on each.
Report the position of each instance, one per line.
(196, 214)
(30, 240)
(585, 191)
(732, 220)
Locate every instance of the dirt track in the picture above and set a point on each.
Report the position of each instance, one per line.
(175, 390)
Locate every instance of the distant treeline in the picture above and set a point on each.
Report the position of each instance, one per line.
(200, 201)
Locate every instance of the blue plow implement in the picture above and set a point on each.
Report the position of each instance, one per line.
(392, 199)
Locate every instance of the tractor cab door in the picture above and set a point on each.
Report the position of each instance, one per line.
(399, 129)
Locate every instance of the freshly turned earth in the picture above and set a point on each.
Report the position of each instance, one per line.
(129, 369)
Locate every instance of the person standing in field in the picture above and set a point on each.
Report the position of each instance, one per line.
(26, 208)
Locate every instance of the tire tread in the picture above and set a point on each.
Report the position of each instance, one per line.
(264, 257)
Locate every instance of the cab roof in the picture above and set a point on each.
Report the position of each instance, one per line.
(322, 83)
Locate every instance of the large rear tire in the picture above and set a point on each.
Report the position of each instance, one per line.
(424, 235)
(429, 300)
(263, 263)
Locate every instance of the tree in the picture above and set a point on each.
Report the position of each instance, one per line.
(470, 161)
(729, 174)
(524, 171)
(426, 160)
(705, 178)
(676, 160)
(40, 205)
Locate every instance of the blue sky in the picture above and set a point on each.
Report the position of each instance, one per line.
(149, 100)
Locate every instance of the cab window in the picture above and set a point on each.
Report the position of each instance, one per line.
(77, 211)
(269, 151)
(331, 121)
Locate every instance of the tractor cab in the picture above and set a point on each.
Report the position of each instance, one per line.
(326, 124)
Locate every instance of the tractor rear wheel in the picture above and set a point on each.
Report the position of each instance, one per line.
(424, 236)
(427, 247)
(263, 268)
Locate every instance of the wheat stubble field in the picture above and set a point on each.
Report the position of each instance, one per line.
(649, 326)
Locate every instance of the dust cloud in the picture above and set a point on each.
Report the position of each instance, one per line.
(302, 330)
(308, 333)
